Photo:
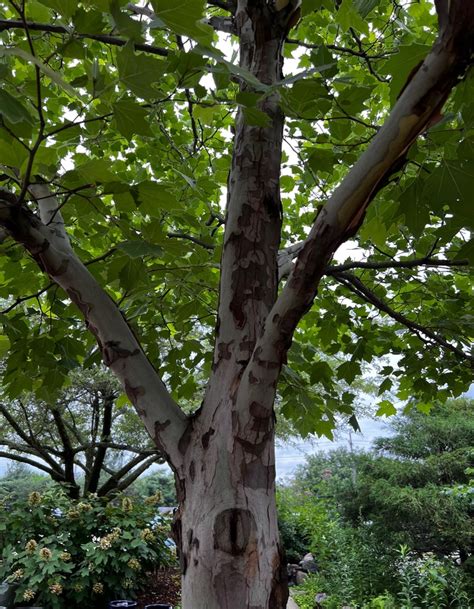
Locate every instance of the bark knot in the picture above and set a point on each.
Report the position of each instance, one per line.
(233, 529)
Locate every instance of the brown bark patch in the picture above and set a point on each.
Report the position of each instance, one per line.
(76, 297)
(206, 438)
(279, 592)
(232, 531)
(253, 448)
(185, 439)
(258, 476)
(223, 350)
(133, 393)
(112, 352)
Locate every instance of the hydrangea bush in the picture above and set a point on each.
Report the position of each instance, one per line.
(67, 553)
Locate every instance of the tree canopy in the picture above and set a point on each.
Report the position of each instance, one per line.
(126, 115)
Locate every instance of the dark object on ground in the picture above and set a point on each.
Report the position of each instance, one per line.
(163, 586)
(159, 606)
(131, 604)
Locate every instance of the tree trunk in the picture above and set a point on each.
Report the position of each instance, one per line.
(227, 522)
(230, 552)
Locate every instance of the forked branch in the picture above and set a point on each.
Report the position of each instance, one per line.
(416, 109)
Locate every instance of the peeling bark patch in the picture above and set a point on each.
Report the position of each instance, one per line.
(258, 411)
(159, 428)
(267, 365)
(279, 593)
(232, 531)
(252, 448)
(192, 470)
(84, 307)
(112, 352)
(133, 393)
(185, 439)
(206, 438)
(223, 350)
(262, 417)
(193, 542)
(253, 380)
(258, 476)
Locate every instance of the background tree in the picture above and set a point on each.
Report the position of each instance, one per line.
(82, 440)
(116, 152)
(406, 489)
(160, 483)
(19, 481)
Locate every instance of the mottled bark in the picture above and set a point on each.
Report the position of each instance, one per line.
(231, 557)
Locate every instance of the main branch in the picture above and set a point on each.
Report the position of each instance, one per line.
(49, 246)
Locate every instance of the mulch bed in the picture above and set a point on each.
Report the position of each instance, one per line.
(164, 586)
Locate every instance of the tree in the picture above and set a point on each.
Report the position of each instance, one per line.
(19, 481)
(156, 483)
(406, 490)
(81, 440)
(116, 155)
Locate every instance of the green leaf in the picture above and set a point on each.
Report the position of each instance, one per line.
(13, 110)
(122, 401)
(206, 114)
(139, 72)
(310, 6)
(322, 159)
(139, 249)
(307, 98)
(255, 117)
(364, 7)
(12, 153)
(155, 198)
(131, 119)
(354, 423)
(130, 274)
(67, 8)
(353, 99)
(414, 208)
(451, 184)
(324, 61)
(4, 345)
(348, 17)
(128, 27)
(385, 409)
(466, 252)
(401, 64)
(184, 17)
(97, 170)
(348, 371)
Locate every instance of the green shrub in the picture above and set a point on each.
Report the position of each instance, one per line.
(430, 582)
(418, 583)
(303, 522)
(64, 553)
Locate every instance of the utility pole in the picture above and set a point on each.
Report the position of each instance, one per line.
(353, 465)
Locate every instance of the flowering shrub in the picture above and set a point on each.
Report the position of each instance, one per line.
(67, 553)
